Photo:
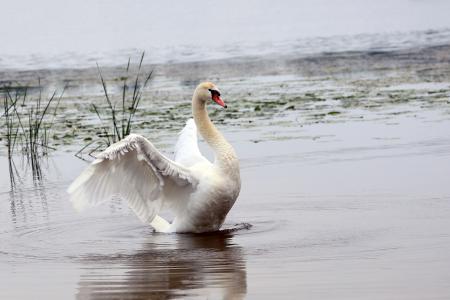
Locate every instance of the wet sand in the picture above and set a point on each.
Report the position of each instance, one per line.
(345, 164)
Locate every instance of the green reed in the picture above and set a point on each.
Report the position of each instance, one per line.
(28, 121)
(117, 117)
(121, 116)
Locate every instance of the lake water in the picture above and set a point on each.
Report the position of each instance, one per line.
(344, 145)
(75, 34)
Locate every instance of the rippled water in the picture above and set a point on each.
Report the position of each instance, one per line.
(354, 217)
(345, 164)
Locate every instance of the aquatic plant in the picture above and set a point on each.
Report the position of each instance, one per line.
(28, 120)
(10, 134)
(117, 117)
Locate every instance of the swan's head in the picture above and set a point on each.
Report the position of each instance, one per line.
(207, 91)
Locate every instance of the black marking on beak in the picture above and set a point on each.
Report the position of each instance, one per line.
(214, 92)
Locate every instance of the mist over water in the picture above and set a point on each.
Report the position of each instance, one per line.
(75, 34)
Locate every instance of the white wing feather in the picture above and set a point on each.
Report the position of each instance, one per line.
(187, 152)
(134, 170)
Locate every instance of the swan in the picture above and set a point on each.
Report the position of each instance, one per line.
(199, 193)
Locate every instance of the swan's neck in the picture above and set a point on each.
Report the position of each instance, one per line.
(224, 152)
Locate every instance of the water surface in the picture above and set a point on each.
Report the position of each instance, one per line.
(345, 161)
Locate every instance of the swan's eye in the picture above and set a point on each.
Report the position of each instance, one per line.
(214, 92)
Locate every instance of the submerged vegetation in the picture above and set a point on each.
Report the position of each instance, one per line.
(104, 105)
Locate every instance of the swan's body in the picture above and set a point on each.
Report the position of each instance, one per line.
(198, 192)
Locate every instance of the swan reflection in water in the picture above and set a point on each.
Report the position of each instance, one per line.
(205, 266)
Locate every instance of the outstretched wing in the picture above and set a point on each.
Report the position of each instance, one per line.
(186, 148)
(134, 170)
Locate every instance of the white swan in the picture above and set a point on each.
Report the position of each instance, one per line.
(198, 192)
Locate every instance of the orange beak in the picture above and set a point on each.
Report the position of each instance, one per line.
(219, 100)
